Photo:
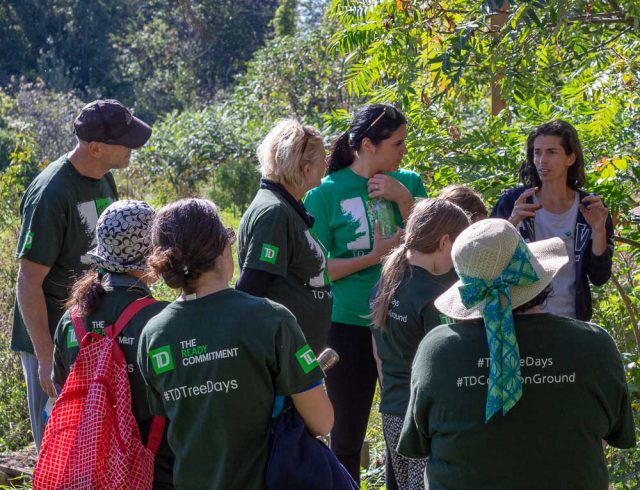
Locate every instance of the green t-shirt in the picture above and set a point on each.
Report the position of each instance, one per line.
(59, 212)
(574, 396)
(411, 316)
(213, 366)
(345, 228)
(65, 351)
(274, 238)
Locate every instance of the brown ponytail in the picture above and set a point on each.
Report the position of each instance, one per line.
(187, 237)
(429, 221)
(86, 293)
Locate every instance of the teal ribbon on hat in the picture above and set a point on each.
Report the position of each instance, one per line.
(505, 385)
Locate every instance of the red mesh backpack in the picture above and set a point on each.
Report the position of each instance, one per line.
(92, 441)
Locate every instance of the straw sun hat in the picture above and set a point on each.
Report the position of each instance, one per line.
(483, 251)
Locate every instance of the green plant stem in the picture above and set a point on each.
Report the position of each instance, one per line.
(630, 310)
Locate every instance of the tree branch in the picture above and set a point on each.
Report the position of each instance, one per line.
(600, 19)
(630, 310)
(628, 241)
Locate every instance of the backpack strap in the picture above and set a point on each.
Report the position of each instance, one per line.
(78, 327)
(155, 433)
(127, 314)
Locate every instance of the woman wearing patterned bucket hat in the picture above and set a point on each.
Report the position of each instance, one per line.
(509, 396)
(117, 277)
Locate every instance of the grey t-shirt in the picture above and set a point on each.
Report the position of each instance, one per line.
(562, 301)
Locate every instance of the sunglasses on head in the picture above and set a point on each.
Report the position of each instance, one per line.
(387, 110)
(231, 235)
(306, 140)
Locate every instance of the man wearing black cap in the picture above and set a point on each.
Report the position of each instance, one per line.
(59, 212)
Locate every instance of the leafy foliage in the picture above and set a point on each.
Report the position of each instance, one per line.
(46, 115)
(284, 22)
(475, 77)
(159, 54)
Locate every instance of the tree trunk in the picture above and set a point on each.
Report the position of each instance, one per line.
(498, 18)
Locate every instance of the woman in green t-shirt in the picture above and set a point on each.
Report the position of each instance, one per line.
(358, 208)
(402, 312)
(215, 359)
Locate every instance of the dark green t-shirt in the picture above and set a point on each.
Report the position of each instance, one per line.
(345, 227)
(65, 351)
(574, 396)
(274, 238)
(213, 366)
(59, 212)
(411, 316)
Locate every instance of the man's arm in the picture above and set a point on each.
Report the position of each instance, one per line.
(34, 313)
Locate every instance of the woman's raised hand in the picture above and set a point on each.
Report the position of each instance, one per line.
(522, 209)
(382, 245)
(386, 187)
(595, 213)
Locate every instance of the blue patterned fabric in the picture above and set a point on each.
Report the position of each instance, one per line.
(505, 385)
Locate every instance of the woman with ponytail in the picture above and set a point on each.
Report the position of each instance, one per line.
(216, 358)
(413, 275)
(358, 209)
(117, 277)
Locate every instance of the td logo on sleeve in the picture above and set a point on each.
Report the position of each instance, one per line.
(307, 359)
(269, 253)
(161, 359)
(28, 240)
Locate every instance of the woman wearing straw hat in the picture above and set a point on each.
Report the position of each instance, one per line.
(509, 396)
(117, 278)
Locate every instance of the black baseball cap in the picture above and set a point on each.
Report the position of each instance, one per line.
(108, 121)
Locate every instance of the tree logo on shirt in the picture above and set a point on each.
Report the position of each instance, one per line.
(307, 359)
(28, 241)
(269, 253)
(102, 203)
(161, 359)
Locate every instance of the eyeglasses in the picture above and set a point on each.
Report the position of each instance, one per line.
(387, 110)
(231, 235)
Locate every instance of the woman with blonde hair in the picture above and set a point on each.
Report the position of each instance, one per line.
(279, 255)
(413, 276)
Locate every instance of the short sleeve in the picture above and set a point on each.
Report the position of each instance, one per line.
(430, 317)
(297, 366)
(419, 189)
(42, 231)
(267, 245)
(61, 338)
(153, 397)
(316, 205)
